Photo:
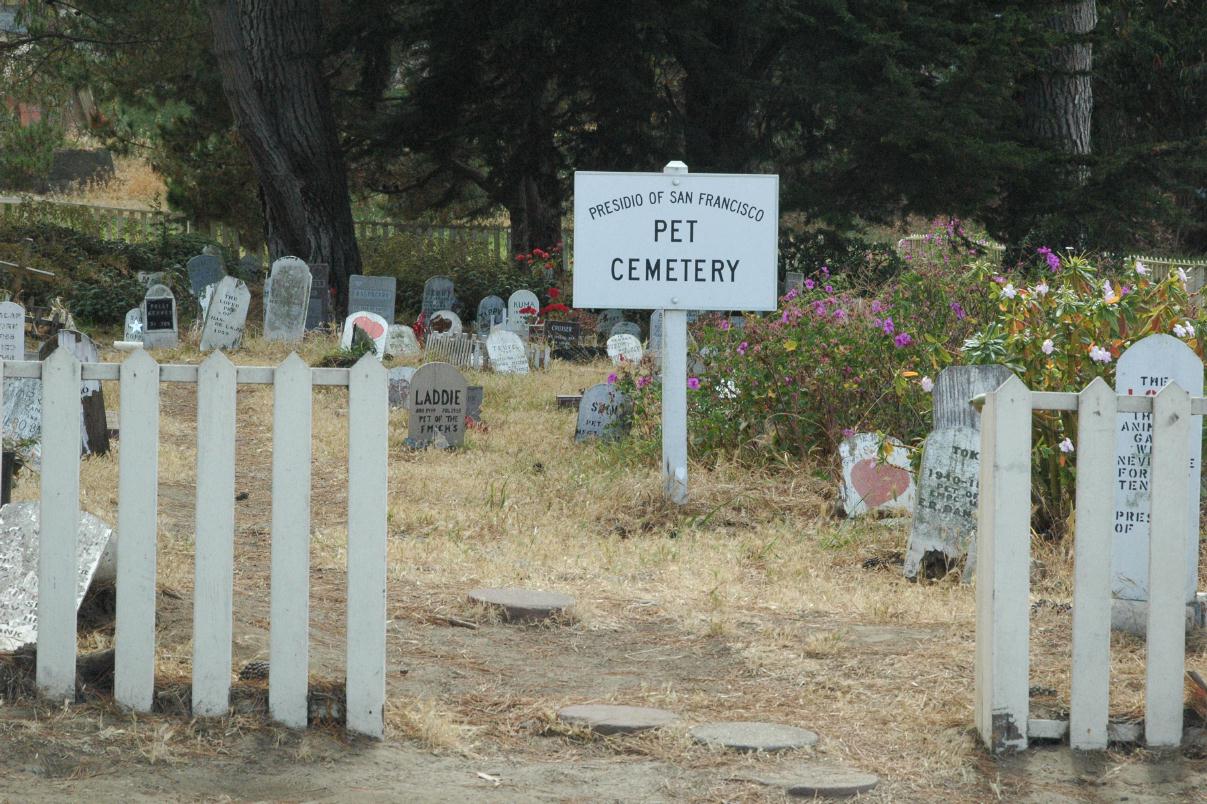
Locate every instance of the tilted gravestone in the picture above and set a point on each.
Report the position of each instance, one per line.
(287, 300)
(491, 310)
(373, 325)
(603, 413)
(523, 305)
(12, 331)
(204, 270)
(627, 328)
(374, 294)
(94, 429)
(437, 406)
(401, 341)
(399, 379)
(445, 322)
(624, 349)
(507, 353)
(437, 295)
(318, 309)
(869, 484)
(473, 403)
(944, 521)
(159, 318)
(563, 334)
(226, 316)
(954, 389)
(133, 330)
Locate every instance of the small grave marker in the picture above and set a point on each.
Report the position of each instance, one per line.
(159, 318)
(373, 325)
(133, 332)
(945, 517)
(611, 719)
(12, 331)
(491, 310)
(374, 294)
(226, 316)
(288, 300)
(318, 309)
(437, 405)
(624, 349)
(794, 280)
(870, 485)
(399, 380)
(401, 341)
(445, 322)
(606, 320)
(563, 334)
(520, 301)
(507, 353)
(603, 413)
(523, 605)
(753, 736)
(627, 328)
(473, 403)
(438, 294)
(204, 270)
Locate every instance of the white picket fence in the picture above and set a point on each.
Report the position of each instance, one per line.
(216, 380)
(1004, 565)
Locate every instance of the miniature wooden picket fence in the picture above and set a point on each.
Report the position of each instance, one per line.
(216, 379)
(464, 351)
(1003, 582)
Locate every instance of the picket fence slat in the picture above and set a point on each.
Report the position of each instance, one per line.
(137, 487)
(1094, 536)
(367, 490)
(215, 529)
(1166, 658)
(1003, 583)
(288, 667)
(59, 523)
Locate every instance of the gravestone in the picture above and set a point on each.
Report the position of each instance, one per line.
(563, 334)
(94, 428)
(437, 294)
(287, 300)
(248, 268)
(150, 278)
(437, 405)
(655, 342)
(869, 485)
(523, 300)
(473, 403)
(22, 409)
(373, 294)
(226, 316)
(624, 349)
(518, 605)
(399, 380)
(491, 310)
(318, 309)
(507, 353)
(445, 322)
(627, 328)
(159, 318)
(613, 719)
(373, 325)
(401, 341)
(133, 331)
(944, 523)
(12, 331)
(954, 389)
(204, 270)
(603, 413)
(1143, 370)
(204, 302)
(606, 320)
(794, 280)
(519, 326)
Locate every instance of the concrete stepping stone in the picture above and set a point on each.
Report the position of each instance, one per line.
(819, 781)
(753, 736)
(611, 719)
(522, 605)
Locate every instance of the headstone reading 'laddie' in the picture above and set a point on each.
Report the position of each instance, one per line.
(374, 294)
(438, 294)
(945, 516)
(624, 349)
(523, 305)
(288, 301)
(870, 485)
(94, 429)
(627, 328)
(226, 315)
(318, 309)
(204, 270)
(445, 322)
(401, 341)
(159, 318)
(603, 413)
(491, 310)
(133, 331)
(372, 324)
(955, 388)
(437, 406)
(507, 353)
(12, 331)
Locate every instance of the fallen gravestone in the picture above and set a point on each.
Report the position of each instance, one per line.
(473, 403)
(94, 428)
(954, 389)
(627, 328)
(318, 309)
(507, 353)
(753, 736)
(226, 315)
(159, 318)
(374, 294)
(523, 305)
(944, 522)
(288, 300)
(563, 334)
(438, 294)
(603, 413)
(437, 406)
(611, 719)
(523, 605)
(401, 341)
(868, 484)
(445, 322)
(372, 325)
(133, 331)
(204, 270)
(12, 331)
(399, 382)
(624, 349)
(491, 310)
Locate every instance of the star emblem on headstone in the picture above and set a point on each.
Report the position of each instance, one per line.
(136, 326)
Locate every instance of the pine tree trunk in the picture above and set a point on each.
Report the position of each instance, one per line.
(268, 53)
(536, 215)
(1060, 101)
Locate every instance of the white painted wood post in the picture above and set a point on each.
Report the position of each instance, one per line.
(288, 668)
(137, 524)
(59, 523)
(1003, 583)
(1096, 414)
(215, 527)
(674, 391)
(368, 468)
(1166, 659)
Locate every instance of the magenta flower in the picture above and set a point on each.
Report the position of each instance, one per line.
(1052, 259)
(742, 347)
(825, 271)
(840, 315)
(693, 383)
(612, 378)
(724, 324)
(847, 432)
(887, 326)
(810, 284)
(902, 340)
(958, 309)
(644, 380)
(877, 307)
(829, 288)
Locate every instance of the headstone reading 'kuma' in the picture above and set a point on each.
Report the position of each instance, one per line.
(954, 389)
(226, 316)
(523, 305)
(374, 294)
(12, 331)
(204, 270)
(288, 301)
(373, 325)
(507, 353)
(445, 322)
(944, 521)
(603, 413)
(491, 310)
(133, 331)
(627, 328)
(624, 349)
(437, 405)
(401, 341)
(159, 318)
(318, 309)
(438, 294)
(870, 485)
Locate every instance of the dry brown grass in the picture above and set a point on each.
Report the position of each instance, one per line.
(135, 185)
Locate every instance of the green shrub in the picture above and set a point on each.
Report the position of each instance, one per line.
(846, 255)
(26, 152)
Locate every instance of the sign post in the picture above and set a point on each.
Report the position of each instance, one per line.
(675, 241)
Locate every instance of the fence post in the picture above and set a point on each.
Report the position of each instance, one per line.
(1003, 581)
(1096, 423)
(1166, 659)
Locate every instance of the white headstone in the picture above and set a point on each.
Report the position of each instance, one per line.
(445, 322)
(134, 326)
(954, 389)
(624, 349)
(523, 300)
(287, 300)
(227, 315)
(945, 517)
(868, 484)
(437, 406)
(401, 341)
(507, 353)
(159, 318)
(374, 326)
(12, 331)
(603, 413)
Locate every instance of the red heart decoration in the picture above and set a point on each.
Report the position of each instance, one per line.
(371, 327)
(877, 483)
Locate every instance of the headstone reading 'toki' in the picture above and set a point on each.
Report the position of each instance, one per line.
(12, 331)
(437, 405)
(868, 484)
(954, 389)
(945, 516)
(603, 413)
(226, 316)
(624, 349)
(507, 352)
(288, 302)
(374, 294)
(437, 294)
(159, 318)
(372, 324)
(491, 310)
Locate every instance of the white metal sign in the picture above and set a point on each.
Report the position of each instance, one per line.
(685, 241)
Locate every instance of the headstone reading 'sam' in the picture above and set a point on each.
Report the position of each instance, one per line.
(226, 316)
(133, 331)
(401, 341)
(563, 334)
(868, 484)
(287, 301)
(954, 389)
(373, 325)
(473, 403)
(945, 516)
(445, 322)
(523, 305)
(399, 380)
(507, 353)
(491, 310)
(94, 429)
(603, 413)
(437, 406)
(627, 328)
(204, 270)
(318, 309)
(624, 349)
(1143, 370)
(12, 331)
(437, 294)
(159, 318)
(374, 294)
